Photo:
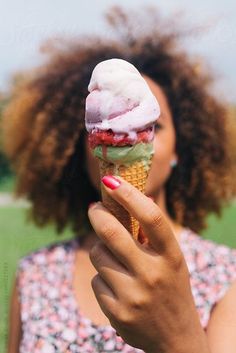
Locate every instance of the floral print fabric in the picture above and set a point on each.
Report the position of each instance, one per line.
(50, 315)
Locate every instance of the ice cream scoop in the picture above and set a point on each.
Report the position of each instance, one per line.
(120, 115)
(120, 100)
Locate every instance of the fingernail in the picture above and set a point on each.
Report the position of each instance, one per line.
(91, 204)
(111, 182)
(152, 198)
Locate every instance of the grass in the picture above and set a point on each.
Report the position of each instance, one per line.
(17, 238)
(223, 230)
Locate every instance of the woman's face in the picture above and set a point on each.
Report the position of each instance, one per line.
(164, 147)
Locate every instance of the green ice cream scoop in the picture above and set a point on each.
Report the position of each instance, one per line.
(125, 155)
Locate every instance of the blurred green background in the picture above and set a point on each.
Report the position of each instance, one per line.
(17, 238)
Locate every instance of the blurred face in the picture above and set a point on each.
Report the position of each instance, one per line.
(164, 147)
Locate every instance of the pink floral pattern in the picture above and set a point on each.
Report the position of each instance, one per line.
(52, 321)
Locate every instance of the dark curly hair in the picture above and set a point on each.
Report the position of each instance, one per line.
(44, 125)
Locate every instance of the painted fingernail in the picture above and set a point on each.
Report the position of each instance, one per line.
(111, 182)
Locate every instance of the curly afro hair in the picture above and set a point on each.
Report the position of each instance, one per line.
(44, 126)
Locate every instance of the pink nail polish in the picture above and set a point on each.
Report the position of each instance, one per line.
(111, 182)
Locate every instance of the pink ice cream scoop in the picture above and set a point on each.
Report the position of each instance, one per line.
(97, 99)
(120, 100)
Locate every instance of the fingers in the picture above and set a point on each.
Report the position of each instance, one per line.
(114, 235)
(109, 268)
(104, 295)
(149, 215)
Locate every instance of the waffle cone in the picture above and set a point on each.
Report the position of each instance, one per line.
(136, 174)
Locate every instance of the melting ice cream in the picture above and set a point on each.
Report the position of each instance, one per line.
(120, 100)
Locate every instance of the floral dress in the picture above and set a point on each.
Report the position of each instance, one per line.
(51, 318)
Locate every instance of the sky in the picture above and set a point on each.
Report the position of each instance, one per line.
(25, 24)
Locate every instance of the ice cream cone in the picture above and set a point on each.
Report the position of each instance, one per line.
(120, 115)
(136, 174)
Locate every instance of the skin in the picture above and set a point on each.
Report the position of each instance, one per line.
(159, 300)
(153, 290)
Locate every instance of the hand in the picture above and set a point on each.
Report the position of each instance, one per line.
(144, 290)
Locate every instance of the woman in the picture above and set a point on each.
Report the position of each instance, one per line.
(144, 291)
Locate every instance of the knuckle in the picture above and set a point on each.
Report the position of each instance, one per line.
(135, 304)
(96, 253)
(178, 263)
(127, 194)
(95, 282)
(108, 231)
(152, 280)
(153, 275)
(154, 218)
(124, 317)
(138, 302)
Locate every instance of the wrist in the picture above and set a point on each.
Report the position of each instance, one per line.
(191, 341)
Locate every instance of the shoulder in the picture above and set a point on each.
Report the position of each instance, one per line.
(221, 326)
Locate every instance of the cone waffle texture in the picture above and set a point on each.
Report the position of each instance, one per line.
(136, 174)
